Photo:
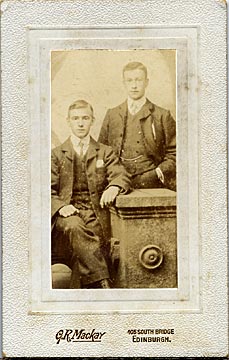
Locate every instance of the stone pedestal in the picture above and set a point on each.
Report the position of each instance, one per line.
(144, 224)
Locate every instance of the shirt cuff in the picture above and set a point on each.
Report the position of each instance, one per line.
(160, 175)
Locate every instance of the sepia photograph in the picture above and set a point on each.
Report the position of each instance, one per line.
(113, 169)
(113, 161)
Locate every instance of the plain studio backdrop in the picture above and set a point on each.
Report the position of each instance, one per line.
(96, 76)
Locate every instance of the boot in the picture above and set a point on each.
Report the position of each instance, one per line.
(104, 284)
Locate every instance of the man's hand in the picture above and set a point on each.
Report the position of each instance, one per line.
(109, 195)
(68, 210)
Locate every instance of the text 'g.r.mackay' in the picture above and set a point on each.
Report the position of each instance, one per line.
(81, 335)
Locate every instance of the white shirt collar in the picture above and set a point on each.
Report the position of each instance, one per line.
(138, 103)
(76, 141)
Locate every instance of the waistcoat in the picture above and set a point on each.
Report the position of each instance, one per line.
(134, 156)
(80, 193)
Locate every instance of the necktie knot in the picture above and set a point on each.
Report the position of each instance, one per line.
(133, 108)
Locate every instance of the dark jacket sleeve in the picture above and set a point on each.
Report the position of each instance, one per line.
(168, 165)
(56, 201)
(116, 173)
(103, 136)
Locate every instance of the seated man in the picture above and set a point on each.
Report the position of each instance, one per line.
(86, 177)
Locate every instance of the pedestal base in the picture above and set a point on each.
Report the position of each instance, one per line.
(144, 223)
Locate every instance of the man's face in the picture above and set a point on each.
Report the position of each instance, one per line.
(135, 83)
(80, 121)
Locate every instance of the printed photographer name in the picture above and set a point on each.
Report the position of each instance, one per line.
(79, 335)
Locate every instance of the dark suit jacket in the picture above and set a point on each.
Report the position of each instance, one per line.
(102, 169)
(162, 148)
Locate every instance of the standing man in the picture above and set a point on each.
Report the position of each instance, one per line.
(86, 177)
(142, 134)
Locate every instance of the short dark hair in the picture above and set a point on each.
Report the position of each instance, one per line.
(133, 66)
(79, 104)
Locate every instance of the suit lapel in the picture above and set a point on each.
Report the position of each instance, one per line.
(123, 119)
(146, 119)
(123, 111)
(67, 149)
(92, 149)
(158, 131)
(67, 169)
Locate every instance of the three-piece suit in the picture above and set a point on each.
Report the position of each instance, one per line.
(143, 142)
(81, 240)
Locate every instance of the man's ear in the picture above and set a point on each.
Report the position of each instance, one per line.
(147, 82)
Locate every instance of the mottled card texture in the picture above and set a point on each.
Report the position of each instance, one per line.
(53, 53)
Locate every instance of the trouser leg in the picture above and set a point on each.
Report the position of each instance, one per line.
(85, 246)
(94, 225)
(75, 282)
